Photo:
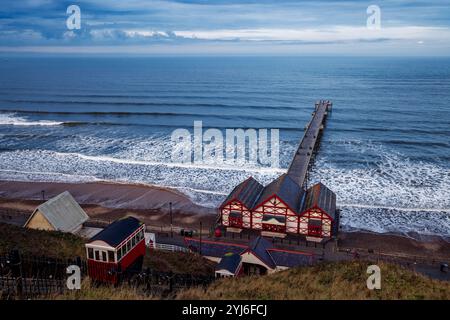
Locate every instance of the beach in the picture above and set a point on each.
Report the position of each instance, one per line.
(109, 201)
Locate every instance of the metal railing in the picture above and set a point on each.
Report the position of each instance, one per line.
(168, 247)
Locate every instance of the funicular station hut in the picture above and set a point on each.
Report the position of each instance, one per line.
(116, 250)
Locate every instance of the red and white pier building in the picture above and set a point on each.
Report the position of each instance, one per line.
(284, 206)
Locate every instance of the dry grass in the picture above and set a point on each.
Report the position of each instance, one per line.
(330, 281)
(89, 291)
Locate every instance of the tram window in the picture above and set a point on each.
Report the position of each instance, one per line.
(90, 253)
(111, 256)
(128, 245)
(97, 255)
(119, 254)
(104, 258)
(133, 241)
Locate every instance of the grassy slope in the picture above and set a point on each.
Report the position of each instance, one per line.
(342, 280)
(40, 243)
(179, 262)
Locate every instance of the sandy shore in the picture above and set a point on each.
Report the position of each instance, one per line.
(150, 204)
(108, 201)
(108, 195)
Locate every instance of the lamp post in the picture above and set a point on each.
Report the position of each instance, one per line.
(171, 219)
(200, 238)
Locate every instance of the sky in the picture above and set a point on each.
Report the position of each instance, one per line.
(222, 27)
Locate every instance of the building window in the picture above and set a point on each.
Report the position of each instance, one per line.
(235, 219)
(315, 227)
(111, 256)
(90, 253)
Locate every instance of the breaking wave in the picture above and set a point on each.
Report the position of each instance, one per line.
(13, 120)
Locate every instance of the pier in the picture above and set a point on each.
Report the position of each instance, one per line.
(298, 169)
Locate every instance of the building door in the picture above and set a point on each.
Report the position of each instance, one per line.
(253, 269)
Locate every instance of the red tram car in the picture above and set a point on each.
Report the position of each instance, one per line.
(116, 250)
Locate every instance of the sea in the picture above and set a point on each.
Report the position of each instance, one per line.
(385, 150)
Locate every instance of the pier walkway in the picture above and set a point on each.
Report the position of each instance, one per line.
(298, 169)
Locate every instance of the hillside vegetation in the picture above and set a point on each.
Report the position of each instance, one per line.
(40, 243)
(336, 281)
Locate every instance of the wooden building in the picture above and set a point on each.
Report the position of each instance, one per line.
(61, 213)
(236, 209)
(116, 250)
(276, 211)
(282, 208)
(318, 218)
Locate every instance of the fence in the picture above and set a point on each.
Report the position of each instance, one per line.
(168, 247)
(25, 277)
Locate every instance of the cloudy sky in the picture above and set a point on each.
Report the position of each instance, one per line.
(315, 27)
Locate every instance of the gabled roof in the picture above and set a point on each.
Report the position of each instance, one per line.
(62, 212)
(215, 249)
(286, 189)
(260, 246)
(289, 259)
(229, 262)
(117, 231)
(322, 197)
(246, 192)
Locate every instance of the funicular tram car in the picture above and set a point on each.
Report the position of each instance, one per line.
(116, 250)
